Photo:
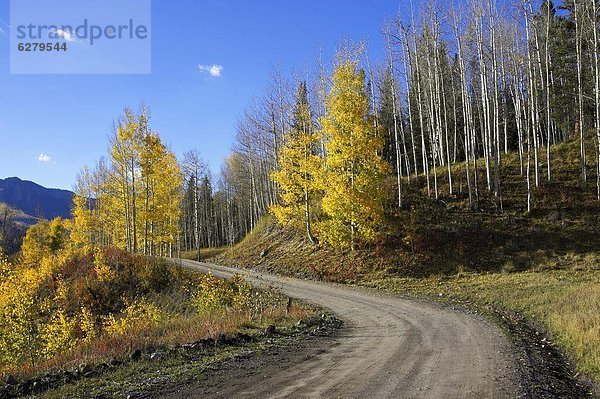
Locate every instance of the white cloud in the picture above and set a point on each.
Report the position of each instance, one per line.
(68, 36)
(45, 158)
(214, 70)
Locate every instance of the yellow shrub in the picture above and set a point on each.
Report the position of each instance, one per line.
(213, 294)
(216, 294)
(57, 334)
(5, 267)
(88, 325)
(236, 294)
(139, 315)
(104, 272)
(242, 297)
(21, 317)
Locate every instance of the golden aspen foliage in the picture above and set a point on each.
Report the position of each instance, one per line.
(161, 196)
(83, 223)
(5, 266)
(354, 170)
(132, 202)
(138, 316)
(88, 325)
(21, 317)
(104, 272)
(298, 164)
(58, 334)
(44, 239)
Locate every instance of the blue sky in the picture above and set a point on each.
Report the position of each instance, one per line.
(68, 117)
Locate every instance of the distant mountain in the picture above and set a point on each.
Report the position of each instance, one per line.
(35, 200)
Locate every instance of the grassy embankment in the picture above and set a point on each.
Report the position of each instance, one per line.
(544, 265)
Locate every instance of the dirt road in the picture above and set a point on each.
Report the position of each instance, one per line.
(390, 348)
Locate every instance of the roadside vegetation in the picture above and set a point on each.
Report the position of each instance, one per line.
(68, 308)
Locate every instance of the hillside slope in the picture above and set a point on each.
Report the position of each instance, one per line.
(443, 237)
(35, 200)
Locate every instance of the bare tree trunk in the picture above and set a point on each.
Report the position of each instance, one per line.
(532, 94)
(548, 107)
(408, 77)
(420, 108)
(578, 41)
(466, 101)
(394, 111)
(597, 92)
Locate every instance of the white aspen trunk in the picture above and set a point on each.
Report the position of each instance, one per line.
(532, 95)
(542, 87)
(465, 105)
(408, 77)
(433, 125)
(504, 99)
(441, 103)
(597, 93)
(448, 161)
(372, 92)
(529, 131)
(496, 126)
(519, 113)
(420, 108)
(455, 124)
(394, 111)
(403, 139)
(133, 205)
(196, 215)
(548, 109)
(485, 121)
(578, 40)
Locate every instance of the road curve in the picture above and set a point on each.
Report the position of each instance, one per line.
(392, 347)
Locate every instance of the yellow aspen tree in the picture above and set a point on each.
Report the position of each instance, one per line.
(151, 156)
(354, 170)
(84, 227)
(297, 166)
(82, 223)
(161, 196)
(21, 317)
(43, 240)
(166, 201)
(124, 184)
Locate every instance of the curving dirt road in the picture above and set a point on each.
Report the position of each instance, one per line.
(391, 347)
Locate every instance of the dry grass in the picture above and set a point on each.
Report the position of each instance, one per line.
(176, 330)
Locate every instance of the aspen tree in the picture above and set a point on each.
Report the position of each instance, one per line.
(353, 200)
(581, 125)
(298, 166)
